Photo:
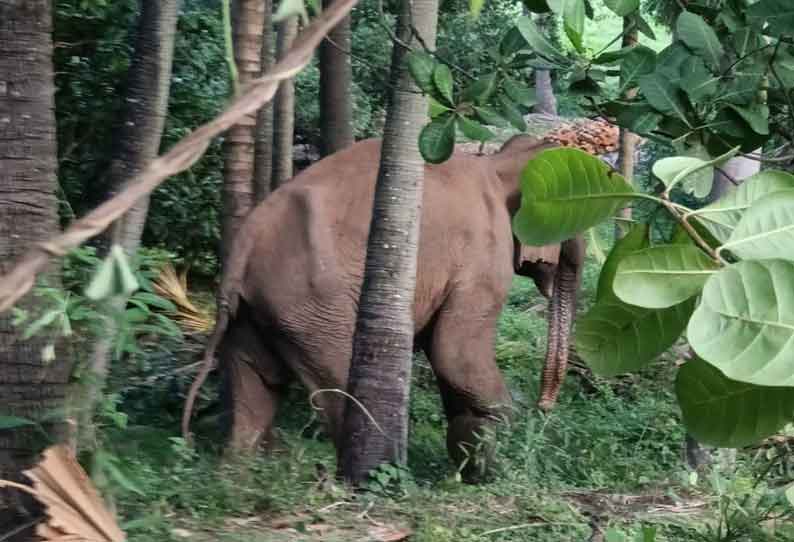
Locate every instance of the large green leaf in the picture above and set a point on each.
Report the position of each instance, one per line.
(623, 7)
(564, 192)
(722, 412)
(538, 42)
(474, 130)
(697, 81)
(442, 78)
(663, 276)
(664, 96)
(744, 324)
(700, 37)
(573, 21)
(722, 216)
(437, 139)
(698, 173)
(480, 90)
(421, 67)
(777, 14)
(756, 116)
(635, 239)
(490, 116)
(615, 338)
(519, 93)
(640, 61)
(766, 230)
(512, 113)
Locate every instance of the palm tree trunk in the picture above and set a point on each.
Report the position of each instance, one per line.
(628, 140)
(248, 17)
(263, 154)
(336, 75)
(140, 125)
(30, 385)
(380, 370)
(284, 110)
(136, 143)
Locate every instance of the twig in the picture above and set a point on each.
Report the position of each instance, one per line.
(253, 96)
(527, 526)
(728, 176)
(786, 91)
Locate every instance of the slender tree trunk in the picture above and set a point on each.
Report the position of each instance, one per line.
(628, 140)
(336, 97)
(547, 102)
(145, 105)
(248, 17)
(263, 155)
(30, 383)
(136, 143)
(380, 371)
(284, 110)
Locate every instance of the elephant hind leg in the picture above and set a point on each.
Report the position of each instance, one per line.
(254, 380)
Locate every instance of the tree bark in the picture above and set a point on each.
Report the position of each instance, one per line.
(30, 385)
(628, 140)
(136, 143)
(380, 371)
(284, 110)
(547, 102)
(336, 97)
(248, 17)
(263, 154)
(145, 105)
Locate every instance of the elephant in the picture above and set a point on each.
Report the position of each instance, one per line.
(288, 297)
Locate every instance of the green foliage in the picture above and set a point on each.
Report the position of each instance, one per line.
(728, 413)
(565, 191)
(663, 276)
(743, 323)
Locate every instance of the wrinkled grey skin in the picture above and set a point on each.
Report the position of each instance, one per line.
(288, 299)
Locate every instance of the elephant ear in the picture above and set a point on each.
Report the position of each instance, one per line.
(538, 263)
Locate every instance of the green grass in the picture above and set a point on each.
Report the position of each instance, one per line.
(610, 453)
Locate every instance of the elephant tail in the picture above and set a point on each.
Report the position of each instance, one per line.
(207, 363)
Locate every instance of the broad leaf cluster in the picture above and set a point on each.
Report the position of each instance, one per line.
(729, 292)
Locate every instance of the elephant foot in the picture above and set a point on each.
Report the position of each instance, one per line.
(471, 441)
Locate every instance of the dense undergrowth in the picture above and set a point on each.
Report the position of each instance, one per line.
(609, 458)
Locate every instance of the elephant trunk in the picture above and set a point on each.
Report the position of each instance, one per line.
(562, 309)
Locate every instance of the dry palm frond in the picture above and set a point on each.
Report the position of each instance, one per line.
(74, 509)
(173, 287)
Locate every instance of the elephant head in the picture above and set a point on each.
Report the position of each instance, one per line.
(555, 269)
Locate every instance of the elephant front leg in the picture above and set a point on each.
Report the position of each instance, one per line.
(562, 309)
(472, 388)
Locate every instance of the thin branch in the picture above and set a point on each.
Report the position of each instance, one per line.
(630, 28)
(253, 96)
(786, 91)
(728, 176)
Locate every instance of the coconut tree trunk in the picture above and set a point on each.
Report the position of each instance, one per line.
(248, 17)
(284, 110)
(628, 140)
(136, 143)
(336, 98)
(544, 90)
(380, 370)
(145, 104)
(263, 154)
(30, 382)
